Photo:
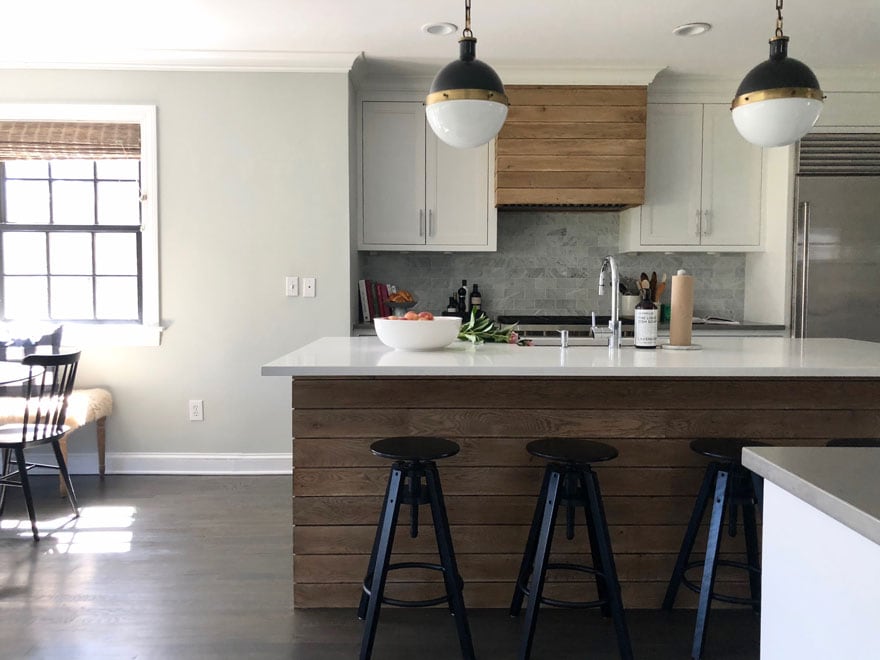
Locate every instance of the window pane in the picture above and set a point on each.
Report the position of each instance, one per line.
(118, 169)
(115, 254)
(27, 202)
(118, 203)
(24, 253)
(72, 169)
(116, 298)
(70, 254)
(27, 169)
(73, 203)
(71, 297)
(27, 298)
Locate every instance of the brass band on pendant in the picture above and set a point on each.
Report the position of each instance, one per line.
(467, 94)
(778, 93)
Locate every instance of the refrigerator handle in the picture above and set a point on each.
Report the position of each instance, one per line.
(805, 268)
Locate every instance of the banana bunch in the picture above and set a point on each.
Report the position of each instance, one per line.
(480, 328)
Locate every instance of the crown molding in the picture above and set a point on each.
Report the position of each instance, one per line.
(185, 60)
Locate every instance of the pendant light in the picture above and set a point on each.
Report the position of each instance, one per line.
(779, 100)
(466, 106)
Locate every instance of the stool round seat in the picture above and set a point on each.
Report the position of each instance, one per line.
(853, 442)
(410, 448)
(727, 450)
(571, 450)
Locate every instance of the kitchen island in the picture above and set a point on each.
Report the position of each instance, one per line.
(493, 399)
(821, 547)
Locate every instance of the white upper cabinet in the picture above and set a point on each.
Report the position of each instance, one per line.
(703, 184)
(417, 193)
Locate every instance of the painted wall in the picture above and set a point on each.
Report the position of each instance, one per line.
(548, 263)
(253, 185)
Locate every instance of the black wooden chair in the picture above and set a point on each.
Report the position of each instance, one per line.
(46, 394)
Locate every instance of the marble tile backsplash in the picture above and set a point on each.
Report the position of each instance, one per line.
(548, 263)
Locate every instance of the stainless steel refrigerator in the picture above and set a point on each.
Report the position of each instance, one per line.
(836, 288)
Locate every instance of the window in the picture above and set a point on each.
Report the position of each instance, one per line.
(78, 226)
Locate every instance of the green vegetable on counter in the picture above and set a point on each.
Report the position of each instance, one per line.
(480, 328)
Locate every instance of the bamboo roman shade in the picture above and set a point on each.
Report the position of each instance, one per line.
(575, 146)
(52, 140)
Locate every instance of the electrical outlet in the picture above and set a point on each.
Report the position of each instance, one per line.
(196, 410)
(291, 286)
(309, 287)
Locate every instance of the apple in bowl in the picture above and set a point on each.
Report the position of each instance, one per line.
(417, 331)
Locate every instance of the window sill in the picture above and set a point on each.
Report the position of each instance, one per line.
(82, 335)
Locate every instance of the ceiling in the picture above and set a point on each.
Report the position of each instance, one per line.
(329, 34)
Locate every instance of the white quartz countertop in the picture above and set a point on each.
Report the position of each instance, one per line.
(839, 481)
(727, 357)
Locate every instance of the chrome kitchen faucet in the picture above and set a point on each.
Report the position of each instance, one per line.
(610, 263)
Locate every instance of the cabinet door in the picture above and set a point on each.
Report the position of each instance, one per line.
(670, 215)
(457, 194)
(731, 182)
(393, 173)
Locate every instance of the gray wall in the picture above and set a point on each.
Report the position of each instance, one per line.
(548, 263)
(253, 186)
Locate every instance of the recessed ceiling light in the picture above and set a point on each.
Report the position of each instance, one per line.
(691, 29)
(439, 29)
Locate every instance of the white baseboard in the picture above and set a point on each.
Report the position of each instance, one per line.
(177, 463)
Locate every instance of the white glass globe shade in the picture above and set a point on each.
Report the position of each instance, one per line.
(776, 122)
(466, 123)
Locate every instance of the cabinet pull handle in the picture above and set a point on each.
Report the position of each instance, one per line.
(697, 222)
(707, 225)
(421, 222)
(431, 222)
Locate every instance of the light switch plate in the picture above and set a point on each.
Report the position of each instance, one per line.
(291, 286)
(308, 287)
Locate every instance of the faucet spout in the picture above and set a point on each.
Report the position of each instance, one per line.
(610, 264)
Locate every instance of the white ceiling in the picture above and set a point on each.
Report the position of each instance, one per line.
(329, 34)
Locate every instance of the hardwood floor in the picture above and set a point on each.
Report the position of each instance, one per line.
(170, 567)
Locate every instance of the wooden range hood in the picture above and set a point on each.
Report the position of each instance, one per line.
(572, 148)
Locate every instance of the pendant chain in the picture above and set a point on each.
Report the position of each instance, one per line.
(467, 19)
(779, 19)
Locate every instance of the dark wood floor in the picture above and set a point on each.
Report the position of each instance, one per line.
(199, 567)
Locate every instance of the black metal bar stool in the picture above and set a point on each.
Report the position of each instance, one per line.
(569, 481)
(413, 462)
(853, 442)
(731, 488)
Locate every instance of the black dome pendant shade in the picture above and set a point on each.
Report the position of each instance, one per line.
(779, 100)
(779, 77)
(466, 105)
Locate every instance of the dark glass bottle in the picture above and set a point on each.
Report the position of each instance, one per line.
(452, 307)
(646, 322)
(463, 297)
(476, 298)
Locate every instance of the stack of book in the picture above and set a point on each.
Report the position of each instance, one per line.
(373, 297)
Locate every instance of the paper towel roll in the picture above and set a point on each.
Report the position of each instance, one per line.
(682, 309)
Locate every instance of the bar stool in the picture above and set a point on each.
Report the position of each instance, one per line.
(853, 442)
(569, 481)
(733, 489)
(413, 462)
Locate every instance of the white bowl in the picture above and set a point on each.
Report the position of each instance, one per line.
(417, 335)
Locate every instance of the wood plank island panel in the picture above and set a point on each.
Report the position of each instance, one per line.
(491, 485)
(554, 134)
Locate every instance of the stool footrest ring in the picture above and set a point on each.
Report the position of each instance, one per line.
(569, 604)
(724, 598)
(429, 602)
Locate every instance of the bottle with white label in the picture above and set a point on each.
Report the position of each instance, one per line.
(646, 322)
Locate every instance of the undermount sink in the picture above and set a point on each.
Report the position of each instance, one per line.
(549, 340)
